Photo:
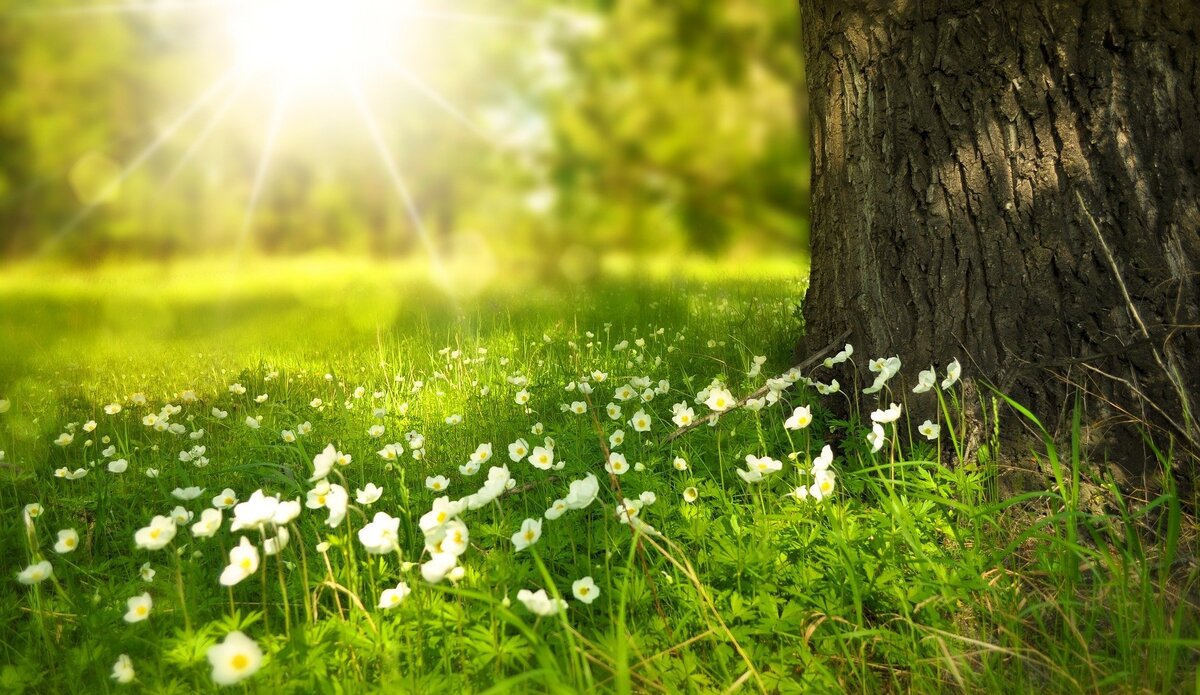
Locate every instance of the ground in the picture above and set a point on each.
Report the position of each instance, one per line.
(910, 573)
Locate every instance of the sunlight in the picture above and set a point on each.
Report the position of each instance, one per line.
(308, 43)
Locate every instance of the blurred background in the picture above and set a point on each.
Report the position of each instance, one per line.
(517, 133)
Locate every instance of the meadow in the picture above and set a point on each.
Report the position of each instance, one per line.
(334, 476)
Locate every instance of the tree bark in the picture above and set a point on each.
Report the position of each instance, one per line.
(1015, 183)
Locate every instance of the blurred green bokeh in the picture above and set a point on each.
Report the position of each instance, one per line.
(615, 126)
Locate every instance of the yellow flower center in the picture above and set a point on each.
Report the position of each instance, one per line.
(239, 661)
(246, 563)
(69, 542)
(529, 536)
(141, 610)
(583, 591)
(155, 533)
(321, 499)
(441, 517)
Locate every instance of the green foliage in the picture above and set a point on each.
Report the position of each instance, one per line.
(631, 125)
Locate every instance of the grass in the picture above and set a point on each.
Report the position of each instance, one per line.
(917, 574)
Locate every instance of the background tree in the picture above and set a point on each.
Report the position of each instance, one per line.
(1016, 183)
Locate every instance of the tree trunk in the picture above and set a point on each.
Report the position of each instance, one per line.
(1015, 183)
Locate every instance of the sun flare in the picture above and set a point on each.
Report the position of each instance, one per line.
(312, 43)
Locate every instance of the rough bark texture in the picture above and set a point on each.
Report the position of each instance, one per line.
(961, 151)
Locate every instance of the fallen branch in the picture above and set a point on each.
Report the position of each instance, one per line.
(808, 362)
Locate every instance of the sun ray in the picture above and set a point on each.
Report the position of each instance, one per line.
(264, 165)
(216, 119)
(149, 151)
(393, 172)
(436, 97)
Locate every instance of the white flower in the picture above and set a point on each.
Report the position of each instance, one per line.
(122, 670)
(648, 497)
(531, 531)
(118, 466)
(680, 463)
(285, 512)
(538, 603)
(390, 598)
(234, 659)
(437, 483)
(64, 439)
(885, 416)
(953, 372)
(758, 467)
(438, 567)
(243, 562)
(187, 493)
(616, 439)
(801, 418)
(323, 463)
(925, 380)
(375, 431)
(556, 510)
(253, 422)
(518, 450)
(930, 430)
(139, 608)
(368, 495)
(684, 417)
(799, 494)
(381, 535)
(522, 397)
(582, 492)
(68, 541)
(822, 487)
(147, 572)
(640, 421)
(157, 535)
(613, 410)
(690, 494)
(542, 458)
(336, 502)
(255, 512)
(209, 524)
(36, 573)
(823, 461)
(617, 465)
(226, 499)
(453, 539)
(840, 357)
(876, 438)
(886, 368)
(719, 400)
(585, 590)
(112, 408)
(443, 511)
(220, 414)
(455, 419)
(483, 453)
